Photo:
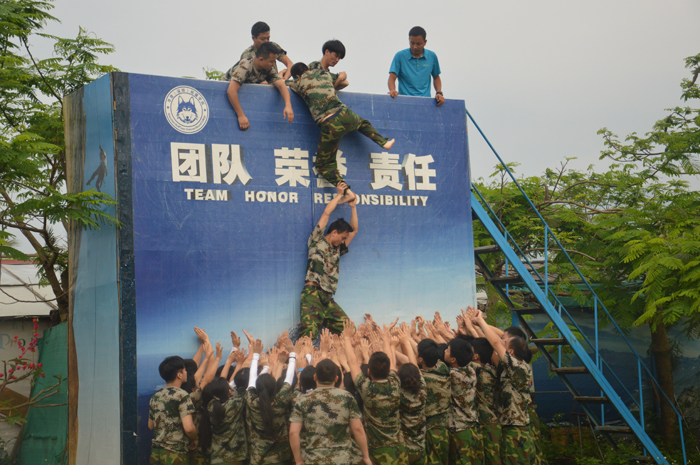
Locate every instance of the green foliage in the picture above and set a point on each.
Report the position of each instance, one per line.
(212, 74)
(33, 197)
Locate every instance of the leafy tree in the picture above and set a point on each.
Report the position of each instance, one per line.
(33, 198)
(634, 230)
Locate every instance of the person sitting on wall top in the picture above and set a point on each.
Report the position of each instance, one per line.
(261, 35)
(257, 70)
(413, 68)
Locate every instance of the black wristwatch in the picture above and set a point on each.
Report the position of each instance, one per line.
(439, 93)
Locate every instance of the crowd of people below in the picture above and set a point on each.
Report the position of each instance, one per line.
(405, 393)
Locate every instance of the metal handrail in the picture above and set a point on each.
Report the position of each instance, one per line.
(596, 300)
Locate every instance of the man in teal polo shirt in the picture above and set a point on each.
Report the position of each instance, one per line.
(413, 67)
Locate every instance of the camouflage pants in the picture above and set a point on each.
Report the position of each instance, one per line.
(318, 308)
(437, 446)
(166, 457)
(467, 446)
(535, 434)
(394, 455)
(332, 130)
(492, 437)
(196, 458)
(517, 448)
(417, 457)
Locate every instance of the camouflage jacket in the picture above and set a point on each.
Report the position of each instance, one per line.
(167, 408)
(317, 66)
(437, 404)
(324, 261)
(264, 450)
(382, 400)
(486, 381)
(413, 417)
(228, 439)
(198, 417)
(325, 416)
(245, 73)
(463, 411)
(514, 395)
(316, 88)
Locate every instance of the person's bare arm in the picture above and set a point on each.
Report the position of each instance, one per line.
(437, 83)
(212, 366)
(288, 113)
(386, 338)
(354, 222)
(348, 331)
(227, 366)
(323, 221)
(232, 93)
(203, 339)
(287, 73)
(151, 424)
(392, 85)
(358, 431)
(405, 340)
(491, 336)
(342, 81)
(295, 442)
(209, 359)
(190, 431)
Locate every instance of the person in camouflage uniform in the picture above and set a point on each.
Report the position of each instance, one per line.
(380, 390)
(333, 51)
(513, 397)
(412, 412)
(323, 420)
(226, 420)
(486, 379)
(261, 34)
(170, 416)
(437, 405)
(267, 448)
(333, 117)
(322, 271)
(257, 70)
(466, 445)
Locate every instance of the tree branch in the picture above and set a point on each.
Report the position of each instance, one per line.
(26, 46)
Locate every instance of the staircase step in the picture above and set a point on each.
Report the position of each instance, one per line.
(487, 249)
(549, 341)
(528, 310)
(592, 400)
(506, 280)
(570, 370)
(614, 429)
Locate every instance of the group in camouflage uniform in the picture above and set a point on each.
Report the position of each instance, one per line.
(437, 411)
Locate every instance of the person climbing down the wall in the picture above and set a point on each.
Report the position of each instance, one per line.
(334, 118)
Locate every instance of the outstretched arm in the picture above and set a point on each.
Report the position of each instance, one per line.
(287, 73)
(392, 85)
(491, 336)
(288, 113)
(323, 222)
(348, 331)
(354, 222)
(232, 93)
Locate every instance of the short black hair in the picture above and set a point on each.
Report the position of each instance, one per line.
(481, 346)
(461, 350)
(417, 31)
(326, 371)
(520, 349)
(170, 367)
(465, 337)
(379, 365)
(516, 331)
(442, 347)
(334, 46)
(339, 225)
(266, 49)
(339, 374)
(242, 377)
(258, 28)
(428, 351)
(306, 378)
(298, 69)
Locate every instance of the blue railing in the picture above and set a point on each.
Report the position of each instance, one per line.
(593, 297)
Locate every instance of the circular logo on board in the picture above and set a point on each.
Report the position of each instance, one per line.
(186, 110)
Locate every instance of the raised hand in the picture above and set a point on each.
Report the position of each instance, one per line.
(201, 335)
(348, 329)
(257, 346)
(325, 341)
(235, 340)
(219, 351)
(248, 336)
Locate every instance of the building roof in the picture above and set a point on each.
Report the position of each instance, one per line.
(20, 293)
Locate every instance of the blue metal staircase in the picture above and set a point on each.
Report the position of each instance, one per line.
(520, 271)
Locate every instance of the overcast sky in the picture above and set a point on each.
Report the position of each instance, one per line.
(540, 77)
